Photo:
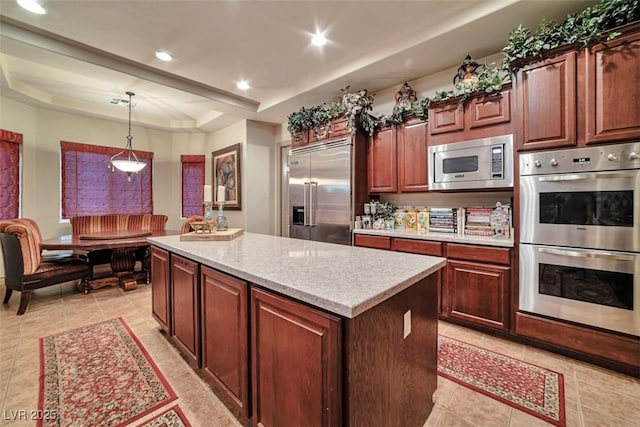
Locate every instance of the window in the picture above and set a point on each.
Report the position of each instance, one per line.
(192, 184)
(89, 187)
(10, 143)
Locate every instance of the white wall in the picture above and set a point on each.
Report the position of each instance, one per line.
(261, 178)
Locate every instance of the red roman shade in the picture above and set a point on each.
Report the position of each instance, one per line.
(89, 187)
(9, 174)
(192, 184)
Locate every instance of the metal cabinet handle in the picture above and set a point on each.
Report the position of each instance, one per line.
(305, 204)
(312, 207)
(605, 255)
(582, 177)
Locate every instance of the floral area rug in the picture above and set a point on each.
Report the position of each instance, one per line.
(173, 417)
(98, 375)
(535, 390)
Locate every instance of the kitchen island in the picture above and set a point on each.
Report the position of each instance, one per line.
(297, 332)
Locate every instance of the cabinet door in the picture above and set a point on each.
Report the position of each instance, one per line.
(185, 307)
(412, 157)
(489, 110)
(546, 96)
(478, 293)
(612, 93)
(160, 288)
(447, 118)
(225, 353)
(383, 176)
(295, 367)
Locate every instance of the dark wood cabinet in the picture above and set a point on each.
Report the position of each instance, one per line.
(398, 158)
(477, 293)
(612, 100)
(578, 98)
(476, 288)
(160, 288)
(546, 99)
(225, 352)
(475, 285)
(412, 156)
(446, 118)
(376, 242)
(482, 116)
(185, 307)
(422, 247)
(382, 159)
(296, 373)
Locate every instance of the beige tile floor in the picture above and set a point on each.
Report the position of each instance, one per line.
(594, 396)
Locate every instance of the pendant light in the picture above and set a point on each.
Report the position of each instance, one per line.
(126, 160)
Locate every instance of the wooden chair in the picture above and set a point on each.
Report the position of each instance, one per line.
(25, 270)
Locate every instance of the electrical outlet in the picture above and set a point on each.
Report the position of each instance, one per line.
(407, 323)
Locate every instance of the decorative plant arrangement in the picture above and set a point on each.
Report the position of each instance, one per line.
(383, 210)
(356, 108)
(584, 29)
(490, 79)
(299, 121)
(418, 108)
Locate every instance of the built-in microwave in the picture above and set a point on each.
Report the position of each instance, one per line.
(479, 163)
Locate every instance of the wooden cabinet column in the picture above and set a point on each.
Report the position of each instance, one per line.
(185, 307)
(160, 288)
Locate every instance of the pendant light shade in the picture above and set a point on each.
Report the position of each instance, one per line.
(126, 160)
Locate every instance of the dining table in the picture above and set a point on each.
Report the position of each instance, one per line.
(123, 244)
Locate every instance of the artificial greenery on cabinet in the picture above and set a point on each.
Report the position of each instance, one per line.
(582, 29)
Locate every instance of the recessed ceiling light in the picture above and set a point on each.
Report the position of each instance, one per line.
(242, 85)
(164, 56)
(319, 39)
(32, 6)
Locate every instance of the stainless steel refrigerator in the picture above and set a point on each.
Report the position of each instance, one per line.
(320, 192)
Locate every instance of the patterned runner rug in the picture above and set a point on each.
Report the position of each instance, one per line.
(521, 385)
(172, 417)
(98, 375)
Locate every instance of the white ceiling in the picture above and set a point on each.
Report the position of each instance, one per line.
(82, 53)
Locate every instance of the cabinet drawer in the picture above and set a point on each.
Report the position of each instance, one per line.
(479, 253)
(417, 246)
(377, 242)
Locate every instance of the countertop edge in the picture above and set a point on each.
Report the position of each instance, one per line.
(439, 237)
(314, 300)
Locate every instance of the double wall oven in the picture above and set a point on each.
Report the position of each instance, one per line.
(580, 236)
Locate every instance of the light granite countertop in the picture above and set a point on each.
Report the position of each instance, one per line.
(440, 237)
(344, 280)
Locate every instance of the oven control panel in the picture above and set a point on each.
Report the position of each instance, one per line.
(588, 159)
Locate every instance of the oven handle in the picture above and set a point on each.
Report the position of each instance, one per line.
(606, 255)
(582, 176)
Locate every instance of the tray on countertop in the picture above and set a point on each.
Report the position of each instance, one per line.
(229, 234)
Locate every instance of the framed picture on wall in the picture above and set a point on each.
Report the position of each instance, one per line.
(226, 173)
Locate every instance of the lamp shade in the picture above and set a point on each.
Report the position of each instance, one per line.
(131, 166)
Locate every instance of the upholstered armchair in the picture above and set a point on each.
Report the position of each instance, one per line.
(25, 269)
